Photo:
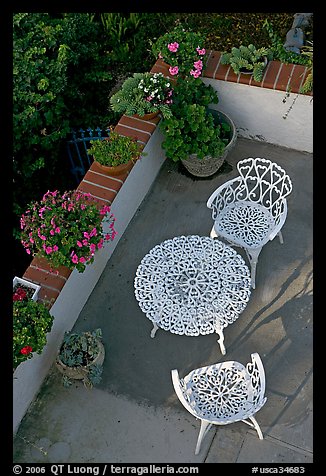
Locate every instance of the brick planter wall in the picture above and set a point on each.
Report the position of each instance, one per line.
(277, 76)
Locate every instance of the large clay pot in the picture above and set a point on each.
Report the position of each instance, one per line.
(209, 165)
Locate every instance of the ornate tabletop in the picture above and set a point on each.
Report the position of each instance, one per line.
(192, 285)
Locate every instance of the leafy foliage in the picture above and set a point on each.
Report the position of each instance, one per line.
(31, 322)
(279, 52)
(115, 150)
(192, 129)
(61, 80)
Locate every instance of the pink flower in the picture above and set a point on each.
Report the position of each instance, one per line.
(174, 70)
(93, 232)
(55, 248)
(92, 247)
(100, 244)
(48, 250)
(196, 73)
(82, 259)
(79, 244)
(74, 258)
(85, 242)
(86, 235)
(198, 64)
(57, 230)
(201, 52)
(173, 47)
(52, 232)
(160, 56)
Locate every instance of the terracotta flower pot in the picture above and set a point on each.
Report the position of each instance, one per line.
(147, 117)
(116, 170)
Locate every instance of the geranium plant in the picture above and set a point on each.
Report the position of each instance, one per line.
(66, 229)
(183, 50)
(144, 93)
(31, 322)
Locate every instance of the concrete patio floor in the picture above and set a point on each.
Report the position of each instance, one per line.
(134, 416)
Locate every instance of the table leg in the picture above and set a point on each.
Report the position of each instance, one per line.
(221, 340)
(153, 331)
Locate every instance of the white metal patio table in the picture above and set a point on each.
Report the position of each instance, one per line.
(192, 285)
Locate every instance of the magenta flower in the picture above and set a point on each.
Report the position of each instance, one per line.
(74, 258)
(82, 259)
(55, 248)
(174, 70)
(201, 52)
(173, 47)
(79, 244)
(198, 64)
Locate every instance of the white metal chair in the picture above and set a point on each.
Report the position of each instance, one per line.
(223, 393)
(250, 210)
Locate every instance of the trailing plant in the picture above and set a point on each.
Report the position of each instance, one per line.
(248, 58)
(115, 150)
(278, 50)
(31, 322)
(78, 350)
(66, 229)
(143, 93)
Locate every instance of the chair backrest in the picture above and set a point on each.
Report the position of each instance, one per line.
(266, 183)
(202, 388)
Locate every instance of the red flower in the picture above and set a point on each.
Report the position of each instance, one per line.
(26, 350)
(19, 295)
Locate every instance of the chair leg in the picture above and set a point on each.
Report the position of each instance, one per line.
(213, 233)
(204, 427)
(280, 237)
(221, 340)
(253, 259)
(257, 427)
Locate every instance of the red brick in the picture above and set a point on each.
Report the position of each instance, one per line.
(104, 180)
(45, 278)
(43, 264)
(48, 295)
(139, 135)
(101, 193)
(283, 79)
(222, 71)
(133, 122)
(297, 78)
(211, 64)
(245, 79)
(272, 70)
(232, 77)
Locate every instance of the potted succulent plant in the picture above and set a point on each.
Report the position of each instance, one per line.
(31, 322)
(116, 154)
(144, 95)
(197, 135)
(66, 229)
(248, 60)
(80, 357)
(183, 51)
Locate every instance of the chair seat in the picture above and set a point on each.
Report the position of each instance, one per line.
(221, 393)
(247, 224)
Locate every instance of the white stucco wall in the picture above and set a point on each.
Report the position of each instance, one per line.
(30, 374)
(258, 114)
